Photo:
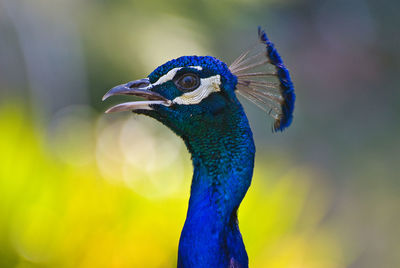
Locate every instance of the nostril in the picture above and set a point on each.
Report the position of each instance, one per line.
(139, 83)
(142, 84)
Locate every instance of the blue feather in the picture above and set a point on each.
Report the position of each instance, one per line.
(286, 85)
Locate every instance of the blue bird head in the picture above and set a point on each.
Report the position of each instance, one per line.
(199, 92)
(188, 93)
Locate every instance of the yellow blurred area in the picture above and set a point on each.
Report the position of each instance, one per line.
(91, 195)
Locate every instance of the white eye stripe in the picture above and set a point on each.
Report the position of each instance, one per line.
(170, 75)
(196, 67)
(207, 86)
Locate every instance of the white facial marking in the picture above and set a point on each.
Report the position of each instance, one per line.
(196, 67)
(168, 76)
(207, 86)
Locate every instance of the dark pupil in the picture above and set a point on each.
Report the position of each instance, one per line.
(188, 81)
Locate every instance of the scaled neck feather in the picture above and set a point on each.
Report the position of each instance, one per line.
(223, 160)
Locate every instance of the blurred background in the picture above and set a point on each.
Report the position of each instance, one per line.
(82, 189)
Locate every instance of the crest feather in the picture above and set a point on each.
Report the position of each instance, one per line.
(256, 72)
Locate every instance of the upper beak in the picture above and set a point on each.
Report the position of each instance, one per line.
(139, 88)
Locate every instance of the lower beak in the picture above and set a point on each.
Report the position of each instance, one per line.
(140, 88)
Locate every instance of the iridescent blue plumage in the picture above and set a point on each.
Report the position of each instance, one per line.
(212, 66)
(196, 98)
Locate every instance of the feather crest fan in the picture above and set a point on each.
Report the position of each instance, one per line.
(264, 80)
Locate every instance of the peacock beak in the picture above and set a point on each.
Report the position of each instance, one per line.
(140, 88)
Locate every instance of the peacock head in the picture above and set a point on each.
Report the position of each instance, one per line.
(184, 93)
(198, 92)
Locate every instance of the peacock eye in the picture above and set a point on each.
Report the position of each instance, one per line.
(188, 82)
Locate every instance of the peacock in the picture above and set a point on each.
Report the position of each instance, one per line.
(195, 97)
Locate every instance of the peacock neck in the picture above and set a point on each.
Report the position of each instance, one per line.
(223, 160)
